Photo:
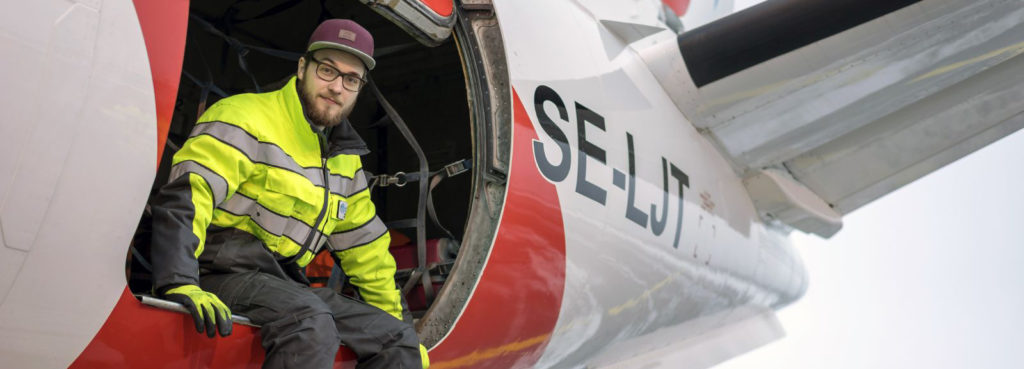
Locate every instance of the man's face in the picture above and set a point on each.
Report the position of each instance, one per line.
(327, 103)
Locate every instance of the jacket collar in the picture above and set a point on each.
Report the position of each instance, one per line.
(342, 138)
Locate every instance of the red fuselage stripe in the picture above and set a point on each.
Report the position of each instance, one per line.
(164, 24)
(138, 336)
(516, 303)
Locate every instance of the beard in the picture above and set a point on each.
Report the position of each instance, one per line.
(318, 117)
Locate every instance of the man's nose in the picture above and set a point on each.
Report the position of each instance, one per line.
(335, 86)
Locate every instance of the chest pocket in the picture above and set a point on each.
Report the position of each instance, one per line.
(292, 195)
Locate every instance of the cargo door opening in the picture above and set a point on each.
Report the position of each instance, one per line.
(453, 97)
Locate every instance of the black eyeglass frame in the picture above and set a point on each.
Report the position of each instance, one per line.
(338, 73)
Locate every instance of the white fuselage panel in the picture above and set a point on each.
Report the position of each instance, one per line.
(585, 78)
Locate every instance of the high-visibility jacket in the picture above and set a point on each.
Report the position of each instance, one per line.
(254, 185)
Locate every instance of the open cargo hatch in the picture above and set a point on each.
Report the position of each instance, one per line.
(451, 92)
(429, 21)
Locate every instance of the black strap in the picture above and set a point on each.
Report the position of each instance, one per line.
(208, 85)
(401, 179)
(401, 223)
(242, 49)
(205, 89)
(449, 170)
(139, 258)
(421, 206)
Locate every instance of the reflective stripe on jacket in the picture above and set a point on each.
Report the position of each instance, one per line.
(254, 164)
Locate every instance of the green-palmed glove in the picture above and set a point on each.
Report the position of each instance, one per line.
(424, 359)
(206, 309)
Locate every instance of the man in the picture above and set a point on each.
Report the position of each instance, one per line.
(263, 183)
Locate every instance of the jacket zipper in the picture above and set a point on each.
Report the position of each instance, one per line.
(315, 236)
(327, 202)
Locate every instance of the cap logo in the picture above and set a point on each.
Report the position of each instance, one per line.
(347, 35)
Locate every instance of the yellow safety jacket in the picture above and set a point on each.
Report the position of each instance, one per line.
(255, 187)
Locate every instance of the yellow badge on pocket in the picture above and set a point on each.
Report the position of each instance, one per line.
(342, 209)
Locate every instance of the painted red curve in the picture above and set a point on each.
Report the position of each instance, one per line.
(441, 7)
(164, 24)
(514, 308)
(138, 336)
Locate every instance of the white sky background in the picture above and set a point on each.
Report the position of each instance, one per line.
(929, 276)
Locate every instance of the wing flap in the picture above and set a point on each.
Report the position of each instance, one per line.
(861, 112)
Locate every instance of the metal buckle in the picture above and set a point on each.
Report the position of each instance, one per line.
(384, 180)
(455, 168)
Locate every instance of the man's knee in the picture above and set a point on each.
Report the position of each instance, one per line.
(319, 331)
(309, 342)
(378, 332)
(407, 336)
(399, 347)
(393, 333)
(306, 322)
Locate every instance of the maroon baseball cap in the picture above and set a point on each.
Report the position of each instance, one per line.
(344, 35)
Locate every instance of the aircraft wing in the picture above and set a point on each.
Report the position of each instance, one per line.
(825, 106)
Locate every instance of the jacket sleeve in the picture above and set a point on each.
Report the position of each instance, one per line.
(362, 252)
(204, 173)
(371, 268)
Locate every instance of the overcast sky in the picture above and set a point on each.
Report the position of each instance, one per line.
(929, 276)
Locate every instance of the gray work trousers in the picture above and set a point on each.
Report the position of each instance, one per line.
(301, 327)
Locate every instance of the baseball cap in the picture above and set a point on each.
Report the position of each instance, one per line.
(345, 35)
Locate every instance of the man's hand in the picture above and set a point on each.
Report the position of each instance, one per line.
(424, 359)
(206, 309)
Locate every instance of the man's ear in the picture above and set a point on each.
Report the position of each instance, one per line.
(301, 66)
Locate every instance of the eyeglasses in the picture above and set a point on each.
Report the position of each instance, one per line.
(350, 81)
